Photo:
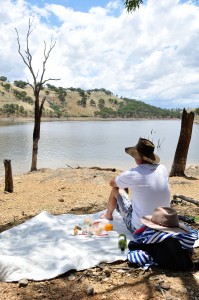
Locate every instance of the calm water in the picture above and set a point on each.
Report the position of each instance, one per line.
(92, 143)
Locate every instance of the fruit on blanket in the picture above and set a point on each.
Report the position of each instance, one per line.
(76, 230)
(108, 227)
(98, 230)
(87, 221)
(78, 227)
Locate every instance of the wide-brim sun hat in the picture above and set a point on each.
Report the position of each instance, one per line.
(165, 219)
(144, 150)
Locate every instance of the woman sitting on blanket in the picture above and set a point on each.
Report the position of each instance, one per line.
(164, 241)
(149, 183)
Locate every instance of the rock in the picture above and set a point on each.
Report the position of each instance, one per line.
(71, 277)
(61, 200)
(121, 271)
(183, 290)
(165, 286)
(23, 282)
(107, 271)
(90, 290)
(105, 279)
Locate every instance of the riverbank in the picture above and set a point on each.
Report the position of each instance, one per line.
(66, 190)
(82, 191)
(47, 119)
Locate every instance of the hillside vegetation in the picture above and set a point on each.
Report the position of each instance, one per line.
(16, 99)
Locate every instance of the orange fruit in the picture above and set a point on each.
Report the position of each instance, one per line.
(108, 227)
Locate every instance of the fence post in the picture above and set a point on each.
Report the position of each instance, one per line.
(8, 176)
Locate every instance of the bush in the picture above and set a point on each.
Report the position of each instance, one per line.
(3, 78)
(21, 84)
(7, 86)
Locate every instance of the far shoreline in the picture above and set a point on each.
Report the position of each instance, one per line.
(46, 119)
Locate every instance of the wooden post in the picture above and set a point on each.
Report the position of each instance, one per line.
(8, 176)
(180, 158)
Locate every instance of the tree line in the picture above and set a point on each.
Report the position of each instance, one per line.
(108, 106)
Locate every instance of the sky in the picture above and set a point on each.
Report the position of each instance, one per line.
(151, 55)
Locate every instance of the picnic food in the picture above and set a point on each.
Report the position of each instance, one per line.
(93, 228)
(108, 227)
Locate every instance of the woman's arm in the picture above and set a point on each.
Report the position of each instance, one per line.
(113, 183)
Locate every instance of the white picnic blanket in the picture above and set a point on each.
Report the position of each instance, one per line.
(45, 247)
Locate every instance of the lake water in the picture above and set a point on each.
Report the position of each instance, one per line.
(90, 143)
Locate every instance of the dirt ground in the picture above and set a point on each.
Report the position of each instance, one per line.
(82, 191)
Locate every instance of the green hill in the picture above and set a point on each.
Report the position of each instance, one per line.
(16, 99)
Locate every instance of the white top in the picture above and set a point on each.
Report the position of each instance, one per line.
(150, 188)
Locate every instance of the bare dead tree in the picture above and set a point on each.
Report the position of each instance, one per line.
(180, 158)
(38, 82)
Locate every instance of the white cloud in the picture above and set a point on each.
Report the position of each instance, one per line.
(151, 54)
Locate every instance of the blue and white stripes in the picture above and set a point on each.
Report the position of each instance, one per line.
(148, 236)
(141, 258)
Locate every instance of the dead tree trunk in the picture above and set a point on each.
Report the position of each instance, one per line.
(37, 85)
(8, 176)
(36, 131)
(180, 158)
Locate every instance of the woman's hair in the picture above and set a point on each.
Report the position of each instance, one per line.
(146, 162)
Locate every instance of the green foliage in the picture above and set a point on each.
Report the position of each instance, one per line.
(117, 107)
(106, 113)
(137, 109)
(28, 99)
(82, 102)
(60, 91)
(100, 90)
(61, 98)
(81, 92)
(56, 109)
(72, 89)
(113, 101)
(197, 111)
(132, 5)
(7, 86)
(22, 95)
(101, 103)
(12, 109)
(52, 87)
(92, 103)
(21, 84)
(196, 219)
(19, 94)
(3, 78)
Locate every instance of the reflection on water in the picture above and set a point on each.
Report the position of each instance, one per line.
(90, 143)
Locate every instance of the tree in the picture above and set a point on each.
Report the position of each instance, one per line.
(180, 158)
(20, 83)
(132, 5)
(3, 78)
(7, 86)
(101, 103)
(37, 85)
